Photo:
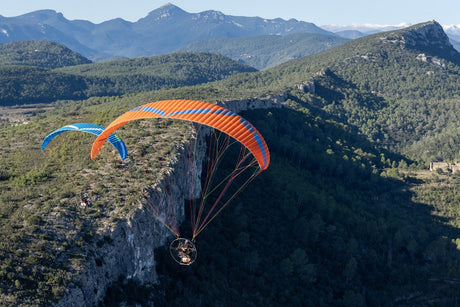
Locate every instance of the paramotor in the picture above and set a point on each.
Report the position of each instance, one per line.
(183, 251)
(232, 144)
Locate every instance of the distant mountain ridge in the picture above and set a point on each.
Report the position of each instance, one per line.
(163, 30)
(407, 77)
(267, 51)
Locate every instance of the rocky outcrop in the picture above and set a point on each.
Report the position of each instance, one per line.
(430, 39)
(126, 250)
(272, 101)
(121, 252)
(307, 87)
(426, 35)
(444, 166)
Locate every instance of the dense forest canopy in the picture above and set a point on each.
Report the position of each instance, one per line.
(400, 95)
(323, 226)
(28, 84)
(39, 53)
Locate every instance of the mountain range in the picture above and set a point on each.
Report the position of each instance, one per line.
(169, 28)
(162, 31)
(165, 30)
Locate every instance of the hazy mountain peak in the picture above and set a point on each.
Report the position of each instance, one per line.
(211, 14)
(169, 6)
(42, 15)
(164, 11)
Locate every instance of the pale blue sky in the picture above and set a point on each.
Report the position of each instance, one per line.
(320, 12)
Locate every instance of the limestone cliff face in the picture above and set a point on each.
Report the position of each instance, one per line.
(274, 101)
(124, 251)
(430, 39)
(427, 35)
(127, 249)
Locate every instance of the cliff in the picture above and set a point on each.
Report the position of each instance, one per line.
(126, 249)
(272, 101)
(428, 35)
(428, 38)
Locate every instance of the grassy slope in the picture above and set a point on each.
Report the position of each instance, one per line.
(45, 234)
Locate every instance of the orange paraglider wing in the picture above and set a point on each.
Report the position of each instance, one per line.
(196, 111)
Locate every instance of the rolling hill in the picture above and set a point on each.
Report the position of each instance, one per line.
(39, 53)
(28, 84)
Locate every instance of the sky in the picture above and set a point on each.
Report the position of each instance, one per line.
(319, 12)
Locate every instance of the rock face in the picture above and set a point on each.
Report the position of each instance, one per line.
(127, 249)
(274, 101)
(429, 34)
(431, 39)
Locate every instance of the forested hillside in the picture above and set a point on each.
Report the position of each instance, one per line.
(346, 214)
(323, 226)
(267, 51)
(39, 53)
(189, 67)
(399, 88)
(26, 84)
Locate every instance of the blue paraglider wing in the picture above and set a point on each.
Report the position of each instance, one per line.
(114, 139)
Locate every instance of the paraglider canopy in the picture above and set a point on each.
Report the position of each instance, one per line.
(114, 139)
(200, 112)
